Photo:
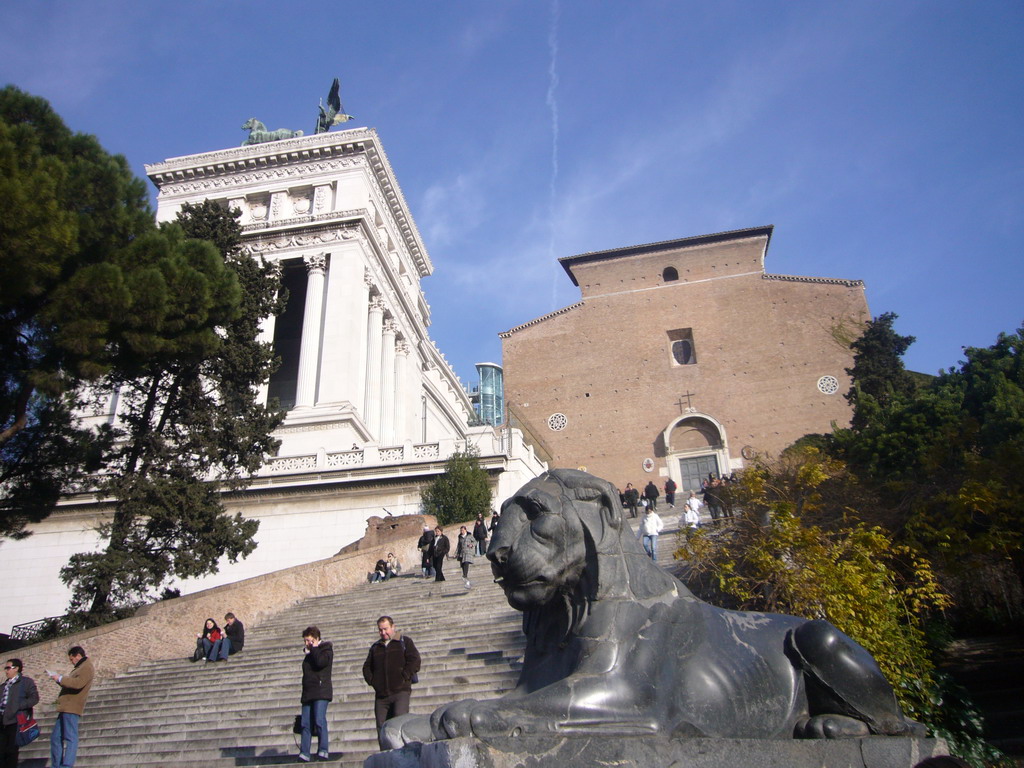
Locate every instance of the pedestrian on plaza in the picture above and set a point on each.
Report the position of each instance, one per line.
(710, 499)
(713, 494)
(670, 493)
(426, 545)
(692, 514)
(439, 551)
(650, 527)
(390, 668)
(495, 521)
(651, 494)
(317, 692)
(632, 496)
(74, 690)
(17, 697)
(466, 554)
(480, 535)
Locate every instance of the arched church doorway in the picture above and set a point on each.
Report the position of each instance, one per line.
(696, 447)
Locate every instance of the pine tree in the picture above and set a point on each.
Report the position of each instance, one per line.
(878, 372)
(187, 379)
(66, 208)
(462, 492)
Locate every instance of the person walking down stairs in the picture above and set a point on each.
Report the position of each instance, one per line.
(466, 553)
(391, 667)
(317, 692)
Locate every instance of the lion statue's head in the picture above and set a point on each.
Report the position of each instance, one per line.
(563, 534)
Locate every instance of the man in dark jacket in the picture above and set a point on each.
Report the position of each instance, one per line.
(17, 694)
(632, 497)
(234, 637)
(317, 691)
(389, 668)
(651, 493)
(480, 535)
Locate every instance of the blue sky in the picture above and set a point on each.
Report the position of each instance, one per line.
(882, 139)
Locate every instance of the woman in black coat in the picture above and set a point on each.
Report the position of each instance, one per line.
(317, 691)
(439, 551)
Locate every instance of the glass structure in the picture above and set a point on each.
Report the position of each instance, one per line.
(490, 405)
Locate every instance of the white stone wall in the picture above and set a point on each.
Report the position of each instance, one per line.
(384, 408)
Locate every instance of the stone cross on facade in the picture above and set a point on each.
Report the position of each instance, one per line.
(689, 404)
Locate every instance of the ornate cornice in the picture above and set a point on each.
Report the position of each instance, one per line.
(272, 153)
(291, 158)
(203, 183)
(562, 311)
(824, 280)
(269, 243)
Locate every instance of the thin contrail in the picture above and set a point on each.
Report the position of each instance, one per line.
(552, 102)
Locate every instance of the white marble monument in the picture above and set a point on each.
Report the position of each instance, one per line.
(374, 409)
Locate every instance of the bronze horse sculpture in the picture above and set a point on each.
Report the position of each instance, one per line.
(258, 133)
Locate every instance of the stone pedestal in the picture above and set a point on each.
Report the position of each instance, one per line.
(645, 752)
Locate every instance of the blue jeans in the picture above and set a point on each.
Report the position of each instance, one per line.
(651, 545)
(215, 649)
(225, 648)
(317, 711)
(64, 740)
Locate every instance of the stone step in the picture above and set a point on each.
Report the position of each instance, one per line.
(174, 712)
(435, 654)
(181, 706)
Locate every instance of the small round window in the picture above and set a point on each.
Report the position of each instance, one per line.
(669, 274)
(828, 385)
(557, 422)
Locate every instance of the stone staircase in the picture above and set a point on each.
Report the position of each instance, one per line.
(240, 712)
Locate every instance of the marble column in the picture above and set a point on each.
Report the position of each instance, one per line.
(309, 352)
(401, 388)
(387, 384)
(373, 355)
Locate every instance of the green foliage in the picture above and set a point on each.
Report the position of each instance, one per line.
(842, 569)
(461, 493)
(68, 208)
(187, 373)
(949, 459)
(44, 459)
(878, 372)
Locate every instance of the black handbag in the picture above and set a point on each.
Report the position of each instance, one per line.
(297, 727)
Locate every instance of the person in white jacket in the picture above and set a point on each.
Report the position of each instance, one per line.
(650, 527)
(692, 515)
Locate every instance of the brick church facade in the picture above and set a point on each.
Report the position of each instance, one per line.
(683, 358)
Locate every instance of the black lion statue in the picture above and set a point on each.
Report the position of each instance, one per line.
(617, 646)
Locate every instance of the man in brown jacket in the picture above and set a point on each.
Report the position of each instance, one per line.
(390, 667)
(74, 689)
